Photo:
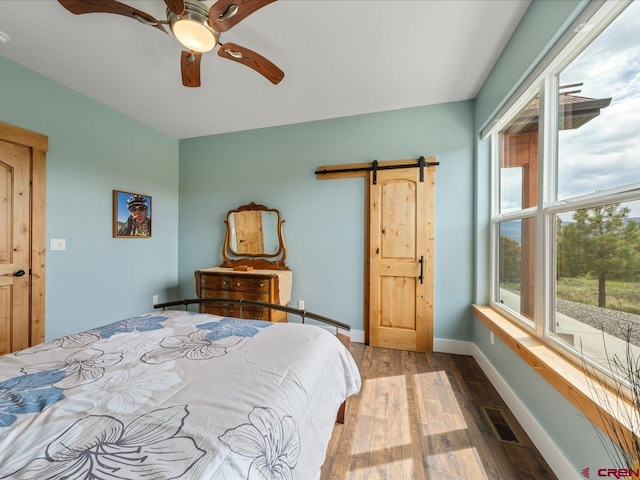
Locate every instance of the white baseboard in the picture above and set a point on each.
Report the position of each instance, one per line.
(545, 445)
(455, 347)
(356, 335)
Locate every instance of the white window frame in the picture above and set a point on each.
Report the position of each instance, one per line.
(545, 84)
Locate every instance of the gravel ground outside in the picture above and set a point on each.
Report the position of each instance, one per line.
(613, 322)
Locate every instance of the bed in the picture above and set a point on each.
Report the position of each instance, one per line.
(174, 394)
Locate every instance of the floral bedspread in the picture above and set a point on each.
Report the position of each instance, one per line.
(174, 395)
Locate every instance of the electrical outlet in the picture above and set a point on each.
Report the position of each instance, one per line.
(492, 338)
(300, 304)
(155, 299)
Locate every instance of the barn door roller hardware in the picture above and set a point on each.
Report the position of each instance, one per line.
(375, 166)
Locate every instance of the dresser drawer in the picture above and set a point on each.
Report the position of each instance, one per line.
(235, 283)
(260, 287)
(235, 295)
(252, 313)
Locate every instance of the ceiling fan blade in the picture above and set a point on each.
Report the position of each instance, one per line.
(224, 14)
(176, 6)
(190, 67)
(79, 7)
(252, 60)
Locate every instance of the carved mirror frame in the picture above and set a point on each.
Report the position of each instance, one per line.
(262, 260)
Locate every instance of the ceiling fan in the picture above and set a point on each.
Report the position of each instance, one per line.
(195, 27)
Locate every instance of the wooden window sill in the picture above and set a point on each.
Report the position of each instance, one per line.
(565, 376)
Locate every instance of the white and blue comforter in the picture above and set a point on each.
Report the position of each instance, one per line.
(174, 395)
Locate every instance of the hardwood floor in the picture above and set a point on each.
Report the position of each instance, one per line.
(420, 416)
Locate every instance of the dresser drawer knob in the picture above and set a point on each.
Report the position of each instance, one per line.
(224, 284)
(261, 285)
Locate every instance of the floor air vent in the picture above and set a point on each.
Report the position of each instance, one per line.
(500, 426)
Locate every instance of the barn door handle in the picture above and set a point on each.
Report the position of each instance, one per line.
(421, 277)
(17, 273)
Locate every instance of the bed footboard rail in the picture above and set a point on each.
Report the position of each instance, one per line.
(303, 314)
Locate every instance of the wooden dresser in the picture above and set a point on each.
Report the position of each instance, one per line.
(271, 286)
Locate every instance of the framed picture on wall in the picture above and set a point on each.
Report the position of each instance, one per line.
(131, 215)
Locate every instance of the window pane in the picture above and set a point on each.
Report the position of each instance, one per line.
(599, 112)
(598, 279)
(519, 160)
(516, 266)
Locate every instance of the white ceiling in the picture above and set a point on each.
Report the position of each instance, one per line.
(340, 58)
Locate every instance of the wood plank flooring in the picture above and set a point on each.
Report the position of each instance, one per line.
(420, 417)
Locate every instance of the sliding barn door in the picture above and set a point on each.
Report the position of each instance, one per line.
(401, 259)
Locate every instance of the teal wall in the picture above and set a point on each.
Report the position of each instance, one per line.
(543, 23)
(92, 151)
(324, 228)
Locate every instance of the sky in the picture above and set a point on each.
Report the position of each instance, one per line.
(605, 152)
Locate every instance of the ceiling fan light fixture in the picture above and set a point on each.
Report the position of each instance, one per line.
(192, 29)
(195, 36)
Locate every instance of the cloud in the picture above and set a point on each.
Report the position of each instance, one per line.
(604, 153)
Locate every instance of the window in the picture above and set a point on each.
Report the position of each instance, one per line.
(566, 195)
(515, 254)
(517, 155)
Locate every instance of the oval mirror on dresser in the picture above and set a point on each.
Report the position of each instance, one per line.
(253, 266)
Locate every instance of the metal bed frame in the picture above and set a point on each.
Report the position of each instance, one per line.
(303, 314)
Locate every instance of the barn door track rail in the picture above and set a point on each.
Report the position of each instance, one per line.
(360, 169)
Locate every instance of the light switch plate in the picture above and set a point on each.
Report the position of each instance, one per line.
(57, 244)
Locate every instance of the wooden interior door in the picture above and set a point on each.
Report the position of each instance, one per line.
(14, 246)
(400, 295)
(22, 161)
